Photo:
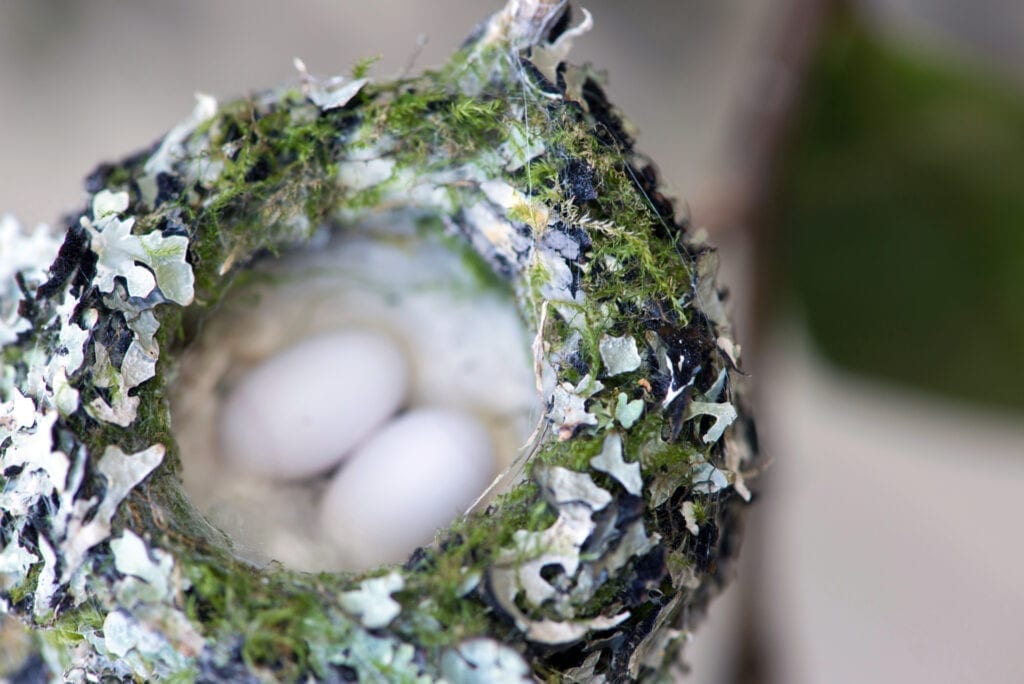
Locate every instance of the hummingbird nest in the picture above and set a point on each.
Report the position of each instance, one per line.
(597, 549)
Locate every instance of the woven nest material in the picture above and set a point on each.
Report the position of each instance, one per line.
(605, 540)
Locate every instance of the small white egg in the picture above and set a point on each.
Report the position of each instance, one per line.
(412, 478)
(301, 411)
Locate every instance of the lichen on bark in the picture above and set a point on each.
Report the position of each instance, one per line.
(606, 540)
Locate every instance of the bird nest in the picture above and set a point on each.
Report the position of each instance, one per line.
(599, 544)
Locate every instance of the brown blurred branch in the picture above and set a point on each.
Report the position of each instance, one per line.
(764, 129)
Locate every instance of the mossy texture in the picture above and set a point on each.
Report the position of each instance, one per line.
(584, 568)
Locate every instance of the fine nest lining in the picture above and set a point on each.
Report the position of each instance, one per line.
(351, 398)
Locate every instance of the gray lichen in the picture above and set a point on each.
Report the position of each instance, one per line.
(607, 539)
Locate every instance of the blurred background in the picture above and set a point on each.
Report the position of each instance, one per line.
(861, 165)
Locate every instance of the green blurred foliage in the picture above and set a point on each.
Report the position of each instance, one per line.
(902, 208)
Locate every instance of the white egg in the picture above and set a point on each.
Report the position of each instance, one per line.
(301, 411)
(412, 478)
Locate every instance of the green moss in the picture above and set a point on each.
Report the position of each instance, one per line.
(278, 166)
(574, 454)
(700, 512)
(120, 177)
(361, 69)
(625, 228)
(226, 594)
(654, 453)
(471, 124)
(22, 592)
(275, 638)
(70, 626)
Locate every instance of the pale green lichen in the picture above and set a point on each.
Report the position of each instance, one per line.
(372, 602)
(610, 461)
(484, 661)
(628, 412)
(619, 354)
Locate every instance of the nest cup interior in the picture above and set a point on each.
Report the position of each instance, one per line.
(350, 398)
